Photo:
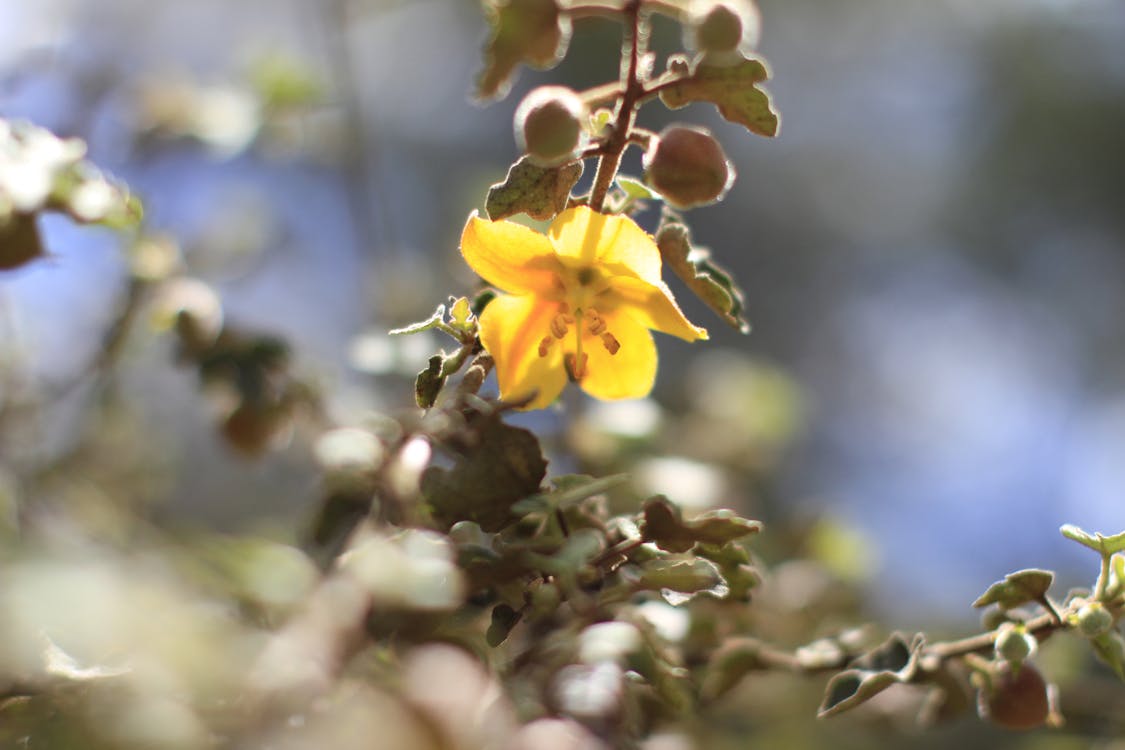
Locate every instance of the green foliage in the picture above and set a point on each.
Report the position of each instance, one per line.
(531, 32)
(539, 192)
(732, 88)
(693, 265)
(895, 661)
(1017, 588)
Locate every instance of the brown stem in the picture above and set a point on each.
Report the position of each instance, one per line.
(626, 108)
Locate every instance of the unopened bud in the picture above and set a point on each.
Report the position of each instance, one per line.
(1093, 619)
(549, 125)
(1017, 700)
(687, 166)
(721, 26)
(1014, 644)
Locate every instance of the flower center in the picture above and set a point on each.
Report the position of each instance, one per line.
(587, 322)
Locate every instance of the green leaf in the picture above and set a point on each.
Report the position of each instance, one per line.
(734, 564)
(19, 241)
(424, 325)
(1017, 588)
(531, 32)
(1110, 648)
(429, 383)
(891, 663)
(539, 192)
(728, 665)
(636, 189)
(684, 575)
(733, 89)
(662, 523)
(570, 489)
(1105, 545)
(502, 465)
(713, 285)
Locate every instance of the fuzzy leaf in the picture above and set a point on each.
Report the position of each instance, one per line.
(423, 325)
(683, 575)
(570, 489)
(729, 664)
(713, 285)
(1106, 545)
(523, 31)
(663, 524)
(636, 189)
(1110, 648)
(734, 564)
(539, 192)
(1017, 588)
(502, 466)
(429, 383)
(733, 89)
(893, 662)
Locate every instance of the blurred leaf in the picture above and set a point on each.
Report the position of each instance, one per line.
(1105, 545)
(709, 282)
(284, 82)
(734, 564)
(892, 662)
(1017, 588)
(1110, 648)
(570, 489)
(663, 524)
(733, 89)
(429, 383)
(685, 575)
(539, 192)
(636, 189)
(523, 31)
(504, 465)
(423, 325)
(504, 618)
(19, 241)
(728, 665)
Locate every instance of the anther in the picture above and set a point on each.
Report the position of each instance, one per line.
(610, 342)
(596, 323)
(559, 326)
(545, 346)
(576, 366)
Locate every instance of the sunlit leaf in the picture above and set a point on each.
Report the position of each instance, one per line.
(1105, 545)
(539, 192)
(531, 32)
(712, 284)
(733, 89)
(893, 662)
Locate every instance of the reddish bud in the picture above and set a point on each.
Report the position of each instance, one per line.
(549, 125)
(1018, 699)
(687, 166)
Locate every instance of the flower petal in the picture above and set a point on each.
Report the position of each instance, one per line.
(511, 328)
(653, 306)
(630, 372)
(510, 256)
(584, 235)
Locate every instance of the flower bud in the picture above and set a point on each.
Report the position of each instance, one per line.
(549, 125)
(1014, 644)
(687, 166)
(722, 26)
(1017, 700)
(1093, 619)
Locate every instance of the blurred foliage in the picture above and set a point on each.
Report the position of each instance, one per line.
(464, 582)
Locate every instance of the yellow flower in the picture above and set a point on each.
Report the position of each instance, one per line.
(581, 300)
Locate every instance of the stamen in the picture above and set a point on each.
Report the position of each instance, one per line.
(610, 342)
(597, 324)
(576, 366)
(545, 346)
(580, 370)
(559, 325)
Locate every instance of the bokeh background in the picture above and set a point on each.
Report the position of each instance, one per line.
(933, 253)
